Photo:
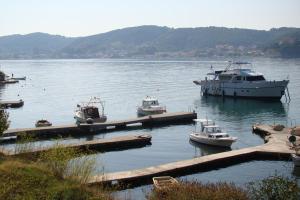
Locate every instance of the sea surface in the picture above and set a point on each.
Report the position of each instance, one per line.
(53, 88)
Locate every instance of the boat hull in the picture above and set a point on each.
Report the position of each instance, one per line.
(145, 112)
(222, 142)
(81, 119)
(255, 90)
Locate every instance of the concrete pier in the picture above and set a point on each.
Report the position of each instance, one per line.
(116, 143)
(276, 147)
(73, 129)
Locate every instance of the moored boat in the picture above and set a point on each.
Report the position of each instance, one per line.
(237, 81)
(42, 123)
(88, 112)
(211, 135)
(150, 106)
(164, 182)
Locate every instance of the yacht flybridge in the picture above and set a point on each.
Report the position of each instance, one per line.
(237, 81)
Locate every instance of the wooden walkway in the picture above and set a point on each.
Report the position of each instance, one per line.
(72, 129)
(118, 143)
(276, 146)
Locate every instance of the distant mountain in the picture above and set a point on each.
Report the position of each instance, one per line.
(155, 41)
(34, 45)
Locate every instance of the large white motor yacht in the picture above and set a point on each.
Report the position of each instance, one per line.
(150, 106)
(211, 134)
(237, 81)
(88, 112)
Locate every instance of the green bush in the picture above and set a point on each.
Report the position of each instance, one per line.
(274, 187)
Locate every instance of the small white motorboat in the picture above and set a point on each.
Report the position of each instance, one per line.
(211, 134)
(150, 106)
(42, 123)
(88, 112)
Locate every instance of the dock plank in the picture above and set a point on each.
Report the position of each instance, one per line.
(92, 128)
(100, 144)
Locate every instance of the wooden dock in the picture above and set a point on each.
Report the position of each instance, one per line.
(11, 104)
(276, 147)
(116, 143)
(73, 129)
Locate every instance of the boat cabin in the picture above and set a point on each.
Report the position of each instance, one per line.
(90, 112)
(240, 75)
(212, 129)
(203, 123)
(148, 102)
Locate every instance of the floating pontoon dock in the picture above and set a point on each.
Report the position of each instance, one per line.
(166, 118)
(116, 143)
(11, 104)
(276, 147)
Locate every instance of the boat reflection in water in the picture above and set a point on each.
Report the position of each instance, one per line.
(242, 108)
(204, 150)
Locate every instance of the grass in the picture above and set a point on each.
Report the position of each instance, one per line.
(21, 180)
(195, 190)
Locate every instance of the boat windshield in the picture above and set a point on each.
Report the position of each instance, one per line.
(150, 103)
(213, 129)
(91, 112)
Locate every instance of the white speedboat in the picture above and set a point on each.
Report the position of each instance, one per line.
(88, 112)
(150, 106)
(237, 81)
(211, 135)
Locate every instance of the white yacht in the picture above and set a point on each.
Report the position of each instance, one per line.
(150, 106)
(88, 112)
(211, 134)
(237, 81)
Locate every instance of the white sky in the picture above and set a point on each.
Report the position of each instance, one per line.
(87, 17)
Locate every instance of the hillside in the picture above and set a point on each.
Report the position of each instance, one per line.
(155, 41)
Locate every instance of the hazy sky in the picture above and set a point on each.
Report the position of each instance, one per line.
(87, 17)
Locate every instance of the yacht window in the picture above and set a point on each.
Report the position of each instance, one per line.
(255, 78)
(238, 78)
(225, 77)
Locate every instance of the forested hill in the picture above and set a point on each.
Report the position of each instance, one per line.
(155, 41)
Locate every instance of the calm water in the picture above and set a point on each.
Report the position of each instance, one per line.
(54, 87)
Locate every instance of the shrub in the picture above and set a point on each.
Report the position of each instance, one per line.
(196, 190)
(275, 187)
(62, 162)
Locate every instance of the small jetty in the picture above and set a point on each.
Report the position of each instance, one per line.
(11, 104)
(9, 81)
(116, 143)
(73, 129)
(276, 147)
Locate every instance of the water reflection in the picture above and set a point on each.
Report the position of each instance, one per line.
(203, 149)
(242, 107)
